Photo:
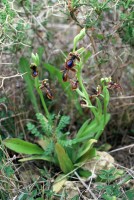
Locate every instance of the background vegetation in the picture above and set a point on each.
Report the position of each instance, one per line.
(48, 28)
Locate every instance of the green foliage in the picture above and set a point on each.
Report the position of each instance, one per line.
(78, 38)
(65, 163)
(108, 185)
(13, 26)
(21, 146)
(68, 154)
(64, 121)
(110, 175)
(24, 67)
(32, 128)
(129, 194)
(76, 197)
(126, 30)
(51, 130)
(110, 192)
(45, 124)
(54, 72)
(38, 157)
(35, 59)
(84, 173)
(46, 127)
(8, 170)
(84, 149)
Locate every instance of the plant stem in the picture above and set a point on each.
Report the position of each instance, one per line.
(41, 98)
(85, 94)
(43, 103)
(105, 110)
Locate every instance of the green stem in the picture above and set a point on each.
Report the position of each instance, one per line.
(85, 92)
(42, 98)
(99, 133)
(43, 103)
(105, 109)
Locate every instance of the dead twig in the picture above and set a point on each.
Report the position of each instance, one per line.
(8, 77)
(122, 148)
(86, 186)
(122, 97)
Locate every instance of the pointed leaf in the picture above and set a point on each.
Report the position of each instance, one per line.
(25, 67)
(87, 156)
(81, 50)
(106, 95)
(102, 126)
(37, 59)
(86, 56)
(85, 148)
(65, 163)
(83, 127)
(36, 157)
(84, 173)
(21, 146)
(129, 194)
(99, 106)
(89, 129)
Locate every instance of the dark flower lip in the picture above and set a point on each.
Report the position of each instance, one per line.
(35, 73)
(34, 70)
(70, 63)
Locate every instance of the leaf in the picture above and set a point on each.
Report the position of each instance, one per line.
(100, 36)
(22, 196)
(58, 183)
(99, 106)
(80, 93)
(106, 95)
(65, 163)
(33, 56)
(24, 67)
(129, 194)
(81, 50)
(91, 128)
(79, 37)
(91, 107)
(84, 173)
(21, 146)
(35, 59)
(64, 121)
(85, 148)
(86, 56)
(40, 51)
(102, 125)
(45, 124)
(44, 142)
(36, 157)
(2, 100)
(83, 127)
(109, 197)
(87, 156)
(8, 171)
(32, 128)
